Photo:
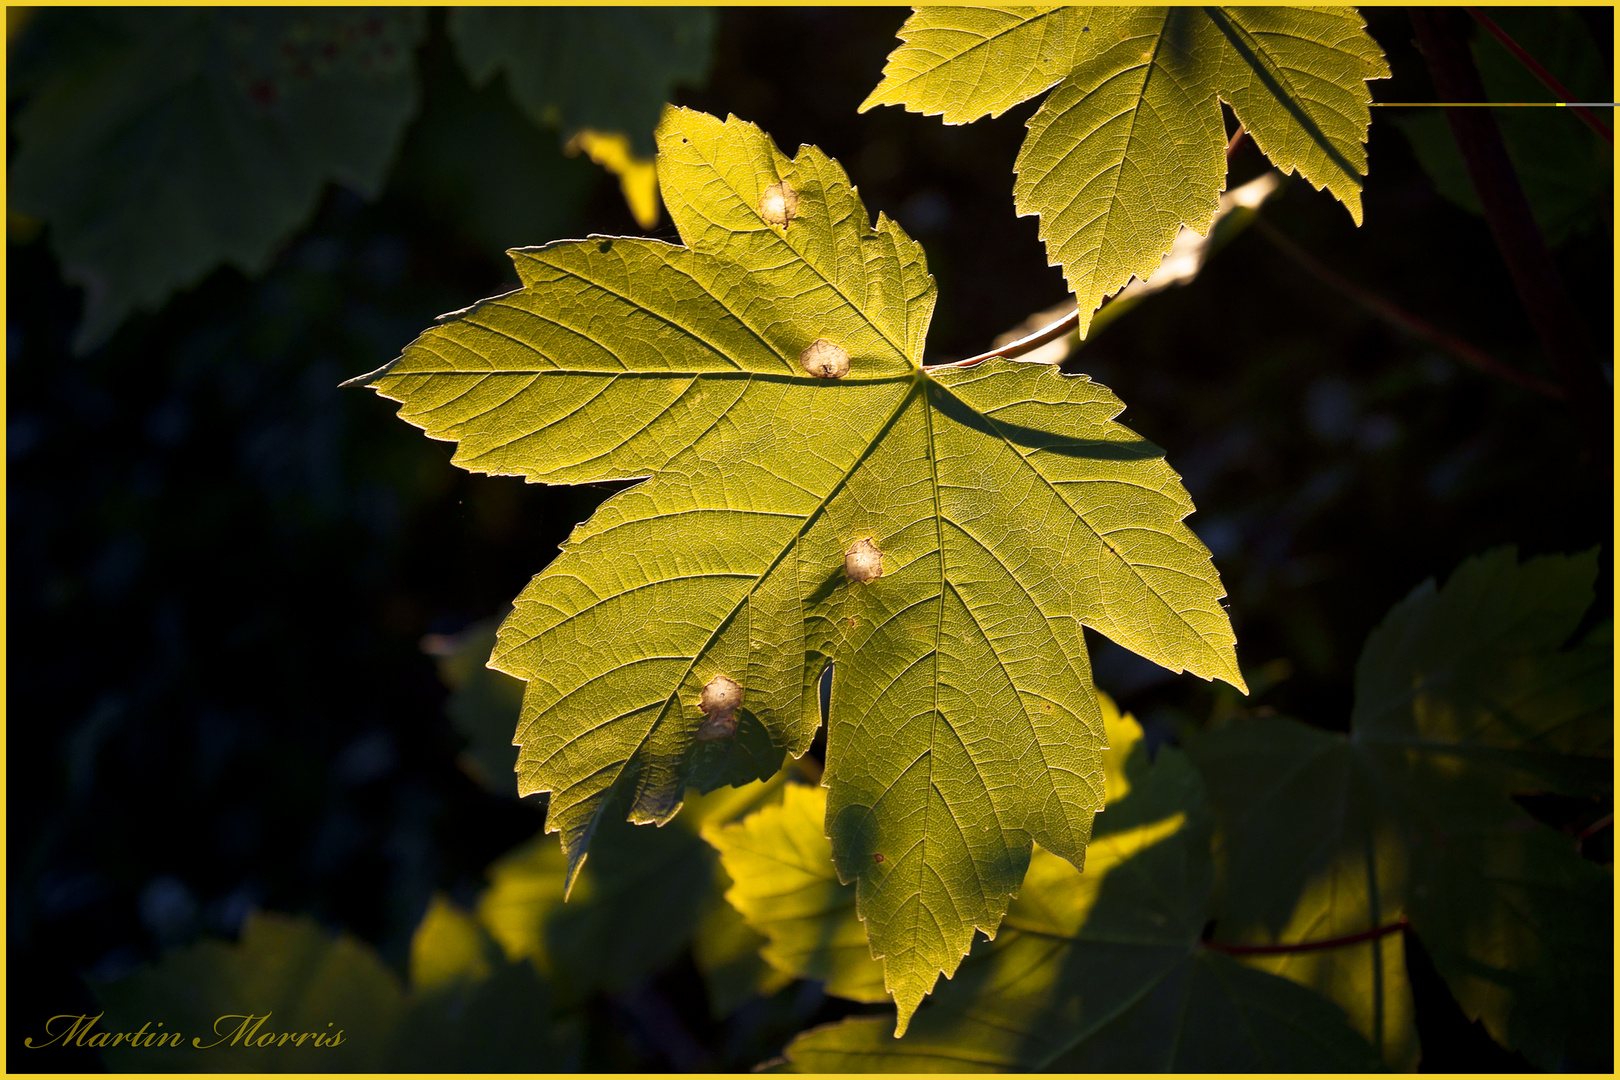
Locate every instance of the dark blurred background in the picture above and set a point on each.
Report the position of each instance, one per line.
(222, 567)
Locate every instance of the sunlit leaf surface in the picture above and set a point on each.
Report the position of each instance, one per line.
(813, 496)
(1130, 145)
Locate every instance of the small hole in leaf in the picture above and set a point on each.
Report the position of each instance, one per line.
(605, 246)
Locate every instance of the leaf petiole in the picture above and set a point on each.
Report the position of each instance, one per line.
(1308, 946)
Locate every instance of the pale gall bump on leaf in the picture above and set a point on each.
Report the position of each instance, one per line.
(779, 204)
(719, 702)
(864, 562)
(824, 360)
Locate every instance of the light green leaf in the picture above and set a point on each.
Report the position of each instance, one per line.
(1006, 510)
(1104, 970)
(167, 142)
(964, 63)
(606, 68)
(1463, 696)
(783, 882)
(1130, 145)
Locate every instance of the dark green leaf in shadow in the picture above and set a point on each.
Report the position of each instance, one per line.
(1566, 168)
(1104, 970)
(171, 141)
(483, 704)
(638, 902)
(472, 1009)
(1464, 696)
(288, 971)
(607, 69)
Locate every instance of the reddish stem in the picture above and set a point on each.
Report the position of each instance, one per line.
(1404, 319)
(1541, 73)
(1596, 827)
(1308, 946)
(1535, 275)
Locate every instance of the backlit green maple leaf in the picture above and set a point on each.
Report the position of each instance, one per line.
(1131, 145)
(810, 495)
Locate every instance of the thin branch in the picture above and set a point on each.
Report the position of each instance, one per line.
(1029, 343)
(1529, 263)
(1400, 317)
(1541, 73)
(1053, 330)
(1596, 827)
(1308, 946)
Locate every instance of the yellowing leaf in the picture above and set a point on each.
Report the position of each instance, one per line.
(450, 947)
(783, 881)
(638, 177)
(964, 63)
(765, 380)
(1129, 147)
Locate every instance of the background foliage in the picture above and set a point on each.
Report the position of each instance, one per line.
(233, 589)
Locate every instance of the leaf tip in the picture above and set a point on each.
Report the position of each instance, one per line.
(576, 863)
(369, 377)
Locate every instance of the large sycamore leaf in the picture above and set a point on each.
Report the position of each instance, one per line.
(1130, 146)
(161, 143)
(1464, 695)
(1104, 971)
(1002, 506)
(261, 1004)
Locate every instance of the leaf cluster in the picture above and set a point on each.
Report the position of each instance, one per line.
(158, 146)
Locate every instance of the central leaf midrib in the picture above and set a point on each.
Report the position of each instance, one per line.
(1116, 171)
(983, 42)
